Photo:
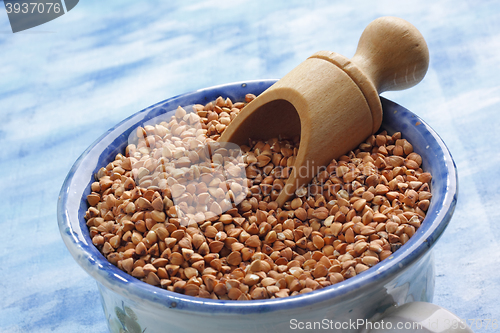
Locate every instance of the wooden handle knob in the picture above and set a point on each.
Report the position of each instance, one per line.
(392, 54)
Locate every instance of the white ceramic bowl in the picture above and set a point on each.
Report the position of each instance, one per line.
(131, 305)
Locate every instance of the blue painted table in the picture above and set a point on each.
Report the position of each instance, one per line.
(64, 83)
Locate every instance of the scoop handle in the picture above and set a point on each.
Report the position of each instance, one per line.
(392, 54)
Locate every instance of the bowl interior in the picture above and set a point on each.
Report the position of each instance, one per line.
(72, 205)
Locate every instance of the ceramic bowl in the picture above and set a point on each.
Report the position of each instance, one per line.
(131, 305)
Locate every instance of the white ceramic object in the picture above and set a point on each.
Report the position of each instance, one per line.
(417, 317)
(133, 306)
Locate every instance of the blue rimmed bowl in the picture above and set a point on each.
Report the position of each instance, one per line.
(131, 305)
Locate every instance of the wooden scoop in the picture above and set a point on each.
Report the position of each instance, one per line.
(332, 102)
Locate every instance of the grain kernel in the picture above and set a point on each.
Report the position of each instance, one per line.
(216, 246)
(370, 261)
(321, 213)
(268, 282)
(385, 254)
(176, 259)
(320, 271)
(253, 241)
(361, 247)
(318, 242)
(360, 268)
(191, 289)
(138, 272)
(349, 236)
(259, 293)
(336, 278)
(234, 258)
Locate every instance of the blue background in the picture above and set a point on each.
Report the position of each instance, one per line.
(64, 83)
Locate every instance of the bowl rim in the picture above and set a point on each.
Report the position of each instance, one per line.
(105, 273)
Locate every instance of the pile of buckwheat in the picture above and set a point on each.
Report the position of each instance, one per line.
(182, 212)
